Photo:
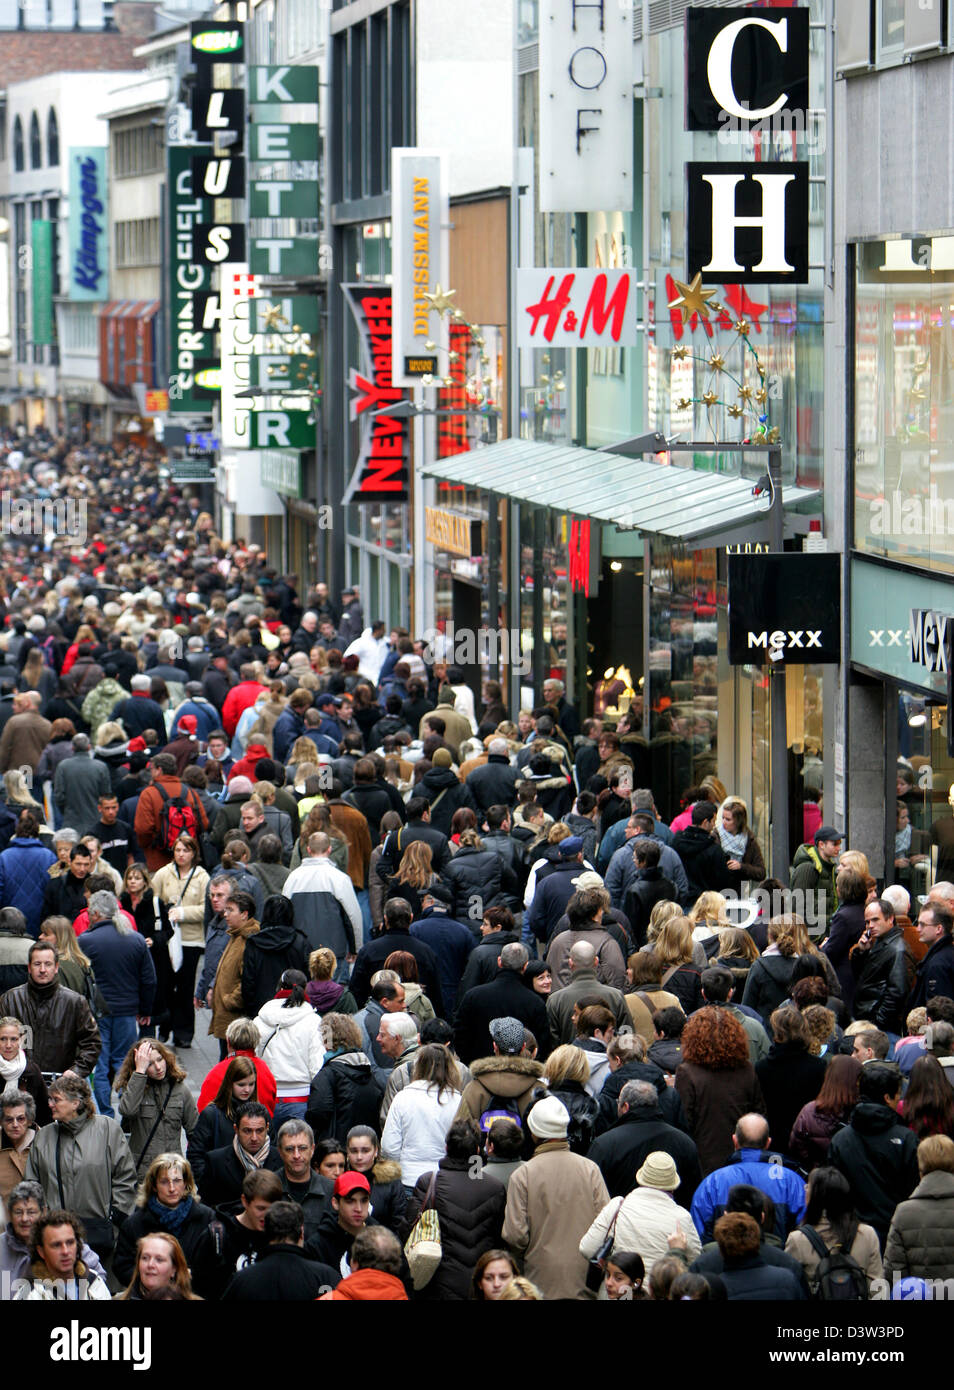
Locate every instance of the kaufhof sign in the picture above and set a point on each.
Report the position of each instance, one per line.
(747, 223)
(418, 260)
(586, 106)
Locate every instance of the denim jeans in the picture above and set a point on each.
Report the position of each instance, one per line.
(118, 1033)
(288, 1110)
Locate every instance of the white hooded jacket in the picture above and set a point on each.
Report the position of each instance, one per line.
(291, 1045)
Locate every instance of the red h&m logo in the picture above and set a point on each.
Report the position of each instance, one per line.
(580, 557)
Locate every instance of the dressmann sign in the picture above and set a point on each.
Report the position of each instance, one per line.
(88, 225)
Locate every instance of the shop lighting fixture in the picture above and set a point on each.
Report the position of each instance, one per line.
(615, 566)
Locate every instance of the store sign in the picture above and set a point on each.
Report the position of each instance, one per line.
(586, 106)
(88, 225)
(296, 313)
(217, 41)
(281, 472)
(283, 198)
(746, 65)
(576, 308)
(216, 112)
(931, 638)
(450, 531)
(748, 223)
(382, 470)
(418, 215)
(784, 609)
(291, 256)
(155, 402)
(41, 241)
(189, 340)
(214, 243)
(219, 176)
(281, 429)
(237, 288)
(283, 140)
(277, 86)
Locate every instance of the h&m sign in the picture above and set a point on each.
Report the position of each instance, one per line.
(747, 223)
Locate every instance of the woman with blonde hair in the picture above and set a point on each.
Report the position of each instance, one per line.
(84, 633)
(743, 853)
(18, 796)
(770, 977)
(36, 675)
(323, 991)
(681, 977)
(155, 1101)
(566, 1074)
(160, 1265)
(415, 874)
(708, 916)
(547, 853)
(737, 952)
(76, 971)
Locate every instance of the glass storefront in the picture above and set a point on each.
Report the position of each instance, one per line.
(904, 401)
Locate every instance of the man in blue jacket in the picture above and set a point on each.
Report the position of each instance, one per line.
(753, 1163)
(450, 940)
(126, 978)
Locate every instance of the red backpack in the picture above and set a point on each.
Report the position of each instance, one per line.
(179, 816)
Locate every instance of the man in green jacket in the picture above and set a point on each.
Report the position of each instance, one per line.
(814, 871)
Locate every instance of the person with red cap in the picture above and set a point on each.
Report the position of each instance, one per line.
(349, 1215)
(185, 746)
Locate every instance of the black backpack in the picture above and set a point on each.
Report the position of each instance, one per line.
(838, 1277)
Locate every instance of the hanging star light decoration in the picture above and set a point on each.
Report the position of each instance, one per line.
(272, 317)
(693, 298)
(440, 300)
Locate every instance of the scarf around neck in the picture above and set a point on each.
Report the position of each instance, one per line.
(171, 1219)
(12, 1071)
(734, 845)
(251, 1161)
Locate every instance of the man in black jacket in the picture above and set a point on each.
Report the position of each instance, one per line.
(935, 974)
(495, 782)
(311, 1192)
(884, 969)
(396, 936)
(647, 888)
(418, 828)
(877, 1154)
(225, 1169)
(496, 931)
(283, 1272)
(702, 856)
(66, 894)
(640, 1130)
(498, 837)
(505, 997)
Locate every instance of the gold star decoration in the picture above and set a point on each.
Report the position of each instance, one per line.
(683, 403)
(430, 345)
(709, 398)
(427, 379)
(745, 394)
(761, 395)
(272, 317)
(773, 435)
(440, 299)
(735, 411)
(453, 356)
(680, 354)
(742, 327)
(717, 361)
(692, 298)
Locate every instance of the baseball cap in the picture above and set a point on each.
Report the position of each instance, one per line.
(349, 1182)
(325, 700)
(507, 1033)
(588, 879)
(828, 832)
(570, 846)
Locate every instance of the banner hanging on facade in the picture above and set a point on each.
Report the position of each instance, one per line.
(382, 471)
(190, 340)
(41, 241)
(418, 264)
(88, 277)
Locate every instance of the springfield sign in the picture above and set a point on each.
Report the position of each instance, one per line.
(88, 225)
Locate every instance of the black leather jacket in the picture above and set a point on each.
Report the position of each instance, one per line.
(885, 974)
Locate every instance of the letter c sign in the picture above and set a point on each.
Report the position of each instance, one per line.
(746, 65)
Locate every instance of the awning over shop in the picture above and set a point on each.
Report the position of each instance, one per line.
(631, 493)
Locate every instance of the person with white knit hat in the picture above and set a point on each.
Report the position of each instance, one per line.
(648, 1221)
(551, 1202)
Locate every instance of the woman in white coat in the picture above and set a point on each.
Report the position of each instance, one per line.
(646, 1218)
(415, 1131)
(291, 1045)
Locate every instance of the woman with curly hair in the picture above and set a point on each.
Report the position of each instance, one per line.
(716, 1083)
(155, 1101)
(770, 977)
(318, 819)
(821, 1026)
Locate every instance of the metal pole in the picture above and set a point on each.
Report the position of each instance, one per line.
(780, 844)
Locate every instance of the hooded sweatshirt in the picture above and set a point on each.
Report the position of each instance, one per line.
(291, 1045)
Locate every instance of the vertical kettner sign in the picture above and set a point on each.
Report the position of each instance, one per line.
(418, 259)
(383, 468)
(747, 70)
(586, 106)
(88, 277)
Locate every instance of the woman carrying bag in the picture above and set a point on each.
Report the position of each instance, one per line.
(155, 1102)
(182, 886)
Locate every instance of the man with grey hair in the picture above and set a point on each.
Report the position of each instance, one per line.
(584, 981)
(79, 782)
(398, 1038)
(554, 694)
(25, 734)
(296, 1147)
(506, 996)
(126, 978)
(640, 1130)
(495, 782)
(140, 711)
